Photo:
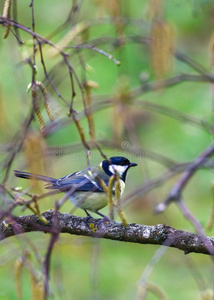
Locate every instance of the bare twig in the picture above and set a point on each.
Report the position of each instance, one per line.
(101, 51)
(175, 193)
(53, 239)
(17, 148)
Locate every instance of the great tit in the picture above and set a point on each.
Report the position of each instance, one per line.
(88, 193)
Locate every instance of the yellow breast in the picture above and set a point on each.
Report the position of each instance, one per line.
(92, 201)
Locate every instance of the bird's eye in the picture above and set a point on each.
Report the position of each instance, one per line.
(124, 162)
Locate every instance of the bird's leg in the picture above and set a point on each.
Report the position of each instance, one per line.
(104, 218)
(88, 215)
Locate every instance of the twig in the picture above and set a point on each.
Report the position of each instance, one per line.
(53, 239)
(92, 47)
(148, 87)
(143, 281)
(193, 220)
(156, 85)
(18, 147)
(175, 193)
(176, 114)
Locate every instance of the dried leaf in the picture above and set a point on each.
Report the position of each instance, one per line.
(34, 87)
(162, 45)
(114, 8)
(88, 85)
(35, 151)
(45, 98)
(6, 14)
(120, 99)
(118, 202)
(37, 288)
(81, 132)
(110, 197)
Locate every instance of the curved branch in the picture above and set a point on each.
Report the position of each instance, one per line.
(175, 193)
(134, 233)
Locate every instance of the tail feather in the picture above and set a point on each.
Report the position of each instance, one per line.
(27, 175)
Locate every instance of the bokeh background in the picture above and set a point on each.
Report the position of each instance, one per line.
(143, 36)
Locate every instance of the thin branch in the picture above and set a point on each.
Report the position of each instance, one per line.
(190, 62)
(100, 104)
(17, 148)
(101, 51)
(139, 39)
(175, 193)
(166, 83)
(193, 220)
(40, 39)
(176, 114)
(53, 239)
(133, 233)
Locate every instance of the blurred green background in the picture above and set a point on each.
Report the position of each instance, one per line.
(81, 267)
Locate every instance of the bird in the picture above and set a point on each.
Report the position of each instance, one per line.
(85, 187)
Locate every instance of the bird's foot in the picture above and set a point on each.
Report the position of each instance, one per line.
(105, 219)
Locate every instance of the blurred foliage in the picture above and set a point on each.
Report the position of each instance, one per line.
(142, 36)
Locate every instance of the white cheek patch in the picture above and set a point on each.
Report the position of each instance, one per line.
(117, 169)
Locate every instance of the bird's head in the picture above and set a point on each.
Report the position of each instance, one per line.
(117, 165)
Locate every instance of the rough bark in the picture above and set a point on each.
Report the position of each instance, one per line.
(135, 233)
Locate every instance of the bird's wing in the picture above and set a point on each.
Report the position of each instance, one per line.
(82, 181)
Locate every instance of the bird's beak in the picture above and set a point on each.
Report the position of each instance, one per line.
(132, 165)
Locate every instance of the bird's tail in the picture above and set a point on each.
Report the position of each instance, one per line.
(27, 175)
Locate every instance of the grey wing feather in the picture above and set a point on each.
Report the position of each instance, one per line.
(81, 180)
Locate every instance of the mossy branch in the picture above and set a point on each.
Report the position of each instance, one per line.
(134, 233)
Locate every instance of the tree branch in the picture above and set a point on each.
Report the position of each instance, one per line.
(134, 233)
(175, 193)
